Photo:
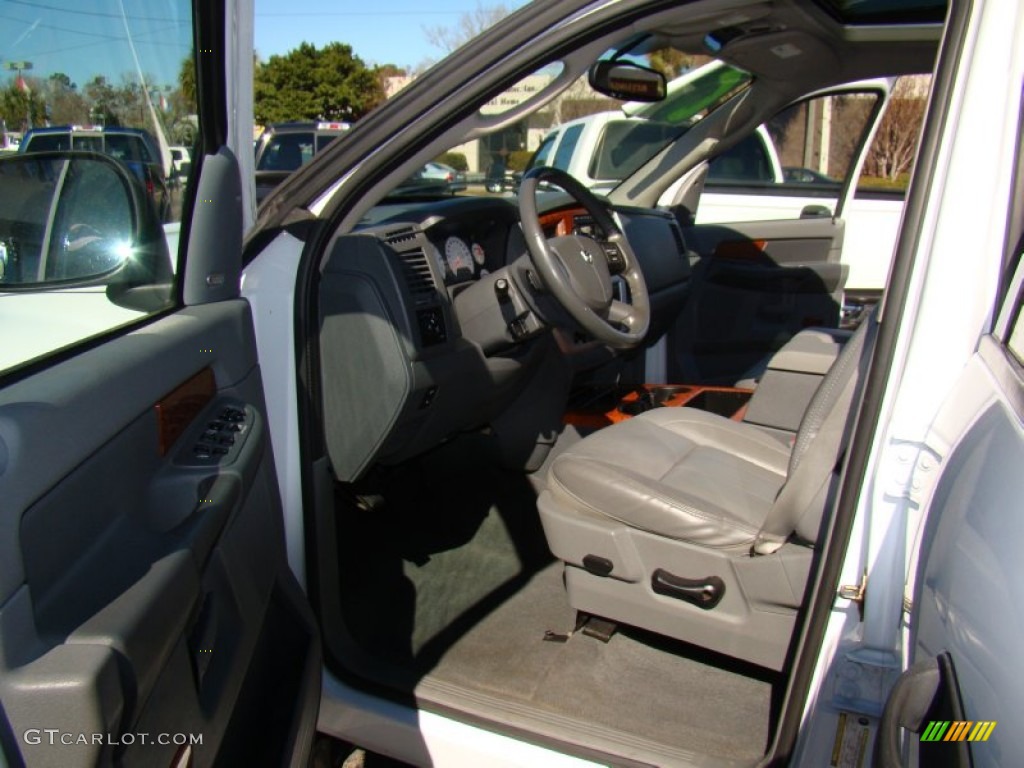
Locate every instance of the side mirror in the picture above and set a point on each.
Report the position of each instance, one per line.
(70, 219)
(627, 81)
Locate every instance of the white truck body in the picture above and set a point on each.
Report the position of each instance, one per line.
(872, 222)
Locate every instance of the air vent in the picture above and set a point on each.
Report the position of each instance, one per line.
(418, 276)
(397, 236)
(678, 235)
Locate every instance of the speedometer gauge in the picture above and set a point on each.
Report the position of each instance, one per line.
(458, 255)
(478, 253)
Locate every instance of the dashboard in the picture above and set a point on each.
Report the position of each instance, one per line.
(440, 305)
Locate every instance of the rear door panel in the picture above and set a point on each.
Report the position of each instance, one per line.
(145, 588)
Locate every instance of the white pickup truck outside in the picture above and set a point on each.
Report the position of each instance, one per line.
(585, 148)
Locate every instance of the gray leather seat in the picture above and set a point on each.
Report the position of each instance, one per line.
(698, 527)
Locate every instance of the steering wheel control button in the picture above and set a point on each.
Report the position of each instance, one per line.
(534, 281)
(613, 255)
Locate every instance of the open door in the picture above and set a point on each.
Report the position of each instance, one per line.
(148, 613)
(960, 702)
(768, 230)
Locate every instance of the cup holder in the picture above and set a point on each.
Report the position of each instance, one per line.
(665, 392)
(653, 397)
(644, 402)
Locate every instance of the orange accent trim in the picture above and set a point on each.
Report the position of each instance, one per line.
(560, 222)
(176, 410)
(598, 419)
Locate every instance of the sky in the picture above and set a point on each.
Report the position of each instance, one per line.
(83, 38)
(115, 38)
(379, 31)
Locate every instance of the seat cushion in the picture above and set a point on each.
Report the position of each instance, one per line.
(681, 473)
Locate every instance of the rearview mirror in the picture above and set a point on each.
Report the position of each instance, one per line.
(627, 81)
(77, 218)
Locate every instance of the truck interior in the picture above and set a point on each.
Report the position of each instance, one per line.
(522, 513)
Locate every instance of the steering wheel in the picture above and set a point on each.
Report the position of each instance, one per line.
(575, 267)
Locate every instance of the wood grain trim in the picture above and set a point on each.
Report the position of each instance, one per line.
(176, 410)
(560, 222)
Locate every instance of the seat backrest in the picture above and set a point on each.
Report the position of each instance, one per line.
(820, 446)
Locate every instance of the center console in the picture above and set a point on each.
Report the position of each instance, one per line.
(777, 405)
(725, 401)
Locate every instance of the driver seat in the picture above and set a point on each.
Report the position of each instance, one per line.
(698, 527)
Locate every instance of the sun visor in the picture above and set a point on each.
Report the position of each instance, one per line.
(779, 55)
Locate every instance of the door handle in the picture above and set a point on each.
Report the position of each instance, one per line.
(816, 212)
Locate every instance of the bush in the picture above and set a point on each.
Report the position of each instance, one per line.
(518, 160)
(456, 160)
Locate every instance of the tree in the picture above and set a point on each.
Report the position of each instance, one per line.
(895, 145)
(21, 108)
(672, 62)
(470, 24)
(102, 99)
(187, 80)
(65, 105)
(310, 83)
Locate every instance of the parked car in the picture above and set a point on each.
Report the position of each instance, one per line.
(181, 160)
(135, 147)
(417, 473)
(807, 176)
(454, 180)
(285, 147)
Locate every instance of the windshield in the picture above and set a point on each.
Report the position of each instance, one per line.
(597, 139)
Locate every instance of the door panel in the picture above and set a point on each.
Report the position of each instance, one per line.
(143, 581)
(969, 584)
(756, 284)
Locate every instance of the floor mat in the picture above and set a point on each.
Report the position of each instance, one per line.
(450, 579)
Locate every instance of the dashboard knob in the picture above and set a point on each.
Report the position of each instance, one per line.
(501, 288)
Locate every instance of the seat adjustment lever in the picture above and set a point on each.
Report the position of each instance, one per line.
(705, 593)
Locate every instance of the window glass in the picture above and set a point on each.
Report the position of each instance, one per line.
(566, 146)
(81, 143)
(540, 157)
(801, 157)
(893, 150)
(53, 143)
(128, 148)
(1016, 342)
(323, 140)
(625, 145)
(887, 11)
(286, 152)
(112, 77)
(748, 162)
